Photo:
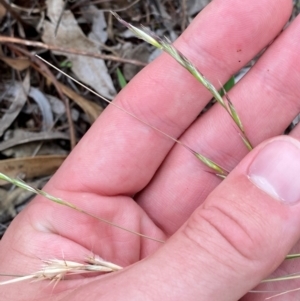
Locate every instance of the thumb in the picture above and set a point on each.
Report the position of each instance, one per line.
(240, 234)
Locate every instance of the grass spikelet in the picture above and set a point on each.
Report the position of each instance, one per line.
(57, 269)
(293, 256)
(98, 261)
(219, 171)
(166, 46)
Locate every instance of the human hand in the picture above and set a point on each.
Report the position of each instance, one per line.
(222, 238)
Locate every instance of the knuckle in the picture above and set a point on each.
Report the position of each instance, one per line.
(226, 231)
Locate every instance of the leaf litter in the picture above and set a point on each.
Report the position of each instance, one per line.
(90, 71)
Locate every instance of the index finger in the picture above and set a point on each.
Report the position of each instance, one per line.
(120, 155)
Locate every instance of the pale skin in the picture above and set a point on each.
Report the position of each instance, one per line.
(129, 174)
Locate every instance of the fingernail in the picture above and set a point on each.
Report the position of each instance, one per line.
(276, 170)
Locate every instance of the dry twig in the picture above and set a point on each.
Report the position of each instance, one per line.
(5, 39)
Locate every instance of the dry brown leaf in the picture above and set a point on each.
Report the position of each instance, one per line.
(34, 149)
(21, 137)
(30, 167)
(90, 108)
(99, 25)
(90, 71)
(17, 95)
(20, 63)
(141, 52)
(10, 199)
(43, 103)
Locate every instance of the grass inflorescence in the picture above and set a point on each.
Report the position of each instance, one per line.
(165, 45)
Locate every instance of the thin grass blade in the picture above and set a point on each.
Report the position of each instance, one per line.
(60, 201)
(127, 112)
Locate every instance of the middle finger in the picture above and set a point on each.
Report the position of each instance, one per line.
(267, 100)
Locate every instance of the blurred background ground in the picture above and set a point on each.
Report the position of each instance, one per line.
(43, 114)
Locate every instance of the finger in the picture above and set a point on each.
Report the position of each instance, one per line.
(267, 100)
(283, 290)
(166, 96)
(230, 243)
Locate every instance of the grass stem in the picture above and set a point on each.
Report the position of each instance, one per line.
(165, 45)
